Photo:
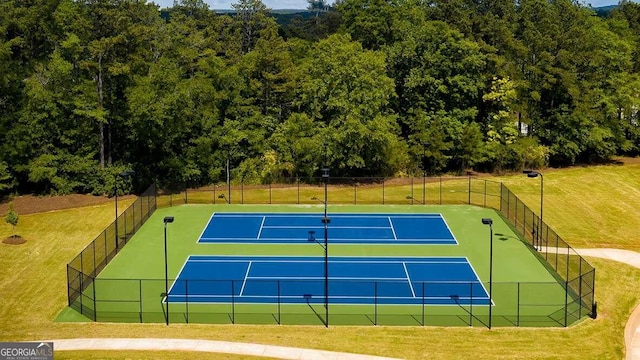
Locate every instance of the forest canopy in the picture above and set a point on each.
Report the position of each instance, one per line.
(369, 87)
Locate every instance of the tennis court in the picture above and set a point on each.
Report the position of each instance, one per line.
(352, 280)
(352, 228)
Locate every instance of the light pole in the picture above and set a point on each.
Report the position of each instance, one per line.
(326, 220)
(532, 174)
(489, 221)
(125, 174)
(167, 219)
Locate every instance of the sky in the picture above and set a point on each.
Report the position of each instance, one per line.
(302, 4)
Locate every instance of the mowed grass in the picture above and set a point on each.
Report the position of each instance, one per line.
(587, 206)
(33, 287)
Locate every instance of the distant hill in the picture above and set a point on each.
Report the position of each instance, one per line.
(604, 10)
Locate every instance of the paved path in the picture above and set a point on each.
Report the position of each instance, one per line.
(279, 352)
(632, 329)
(631, 333)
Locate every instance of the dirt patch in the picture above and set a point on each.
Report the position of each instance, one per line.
(31, 204)
(14, 240)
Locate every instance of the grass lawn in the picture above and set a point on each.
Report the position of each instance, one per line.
(33, 285)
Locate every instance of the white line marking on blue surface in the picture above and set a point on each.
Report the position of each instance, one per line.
(479, 281)
(404, 265)
(351, 240)
(392, 229)
(322, 278)
(261, 227)
(177, 278)
(246, 276)
(206, 226)
(448, 228)
(321, 227)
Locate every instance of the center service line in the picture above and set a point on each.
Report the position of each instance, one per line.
(246, 275)
(408, 278)
(261, 227)
(392, 229)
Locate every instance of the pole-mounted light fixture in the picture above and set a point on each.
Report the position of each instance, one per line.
(167, 220)
(489, 221)
(533, 174)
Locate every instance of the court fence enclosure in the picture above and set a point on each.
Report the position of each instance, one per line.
(553, 304)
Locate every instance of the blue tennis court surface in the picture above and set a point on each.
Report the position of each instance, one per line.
(343, 228)
(352, 280)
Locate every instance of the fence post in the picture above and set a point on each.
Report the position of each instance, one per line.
(94, 273)
(469, 191)
(279, 314)
(81, 290)
(580, 288)
(424, 189)
(567, 276)
(383, 179)
(518, 307)
(412, 190)
(140, 294)
(485, 194)
(186, 299)
(106, 254)
(375, 303)
(566, 301)
(298, 186)
(69, 284)
(233, 304)
(423, 303)
(95, 308)
(471, 304)
(440, 201)
(355, 192)
(269, 191)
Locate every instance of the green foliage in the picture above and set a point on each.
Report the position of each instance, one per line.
(12, 217)
(392, 87)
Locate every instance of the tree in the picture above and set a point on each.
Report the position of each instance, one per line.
(251, 17)
(12, 218)
(348, 90)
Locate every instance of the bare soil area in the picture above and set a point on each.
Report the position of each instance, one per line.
(31, 204)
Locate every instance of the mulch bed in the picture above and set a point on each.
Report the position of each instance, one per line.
(31, 204)
(14, 240)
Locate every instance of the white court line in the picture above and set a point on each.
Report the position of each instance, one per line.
(321, 227)
(322, 278)
(332, 260)
(448, 228)
(478, 281)
(392, 229)
(206, 226)
(246, 275)
(408, 279)
(261, 227)
(176, 278)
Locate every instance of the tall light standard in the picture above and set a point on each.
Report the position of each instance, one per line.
(532, 174)
(167, 219)
(326, 221)
(125, 175)
(489, 221)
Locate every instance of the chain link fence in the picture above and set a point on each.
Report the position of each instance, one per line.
(521, 304)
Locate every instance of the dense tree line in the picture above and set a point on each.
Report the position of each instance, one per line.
(371, 87)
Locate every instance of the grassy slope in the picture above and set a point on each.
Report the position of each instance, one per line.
(32, 285)
(588, 206)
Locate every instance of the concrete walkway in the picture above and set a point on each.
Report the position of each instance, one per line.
(632, 329)
(211, 346)
(631, 333)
